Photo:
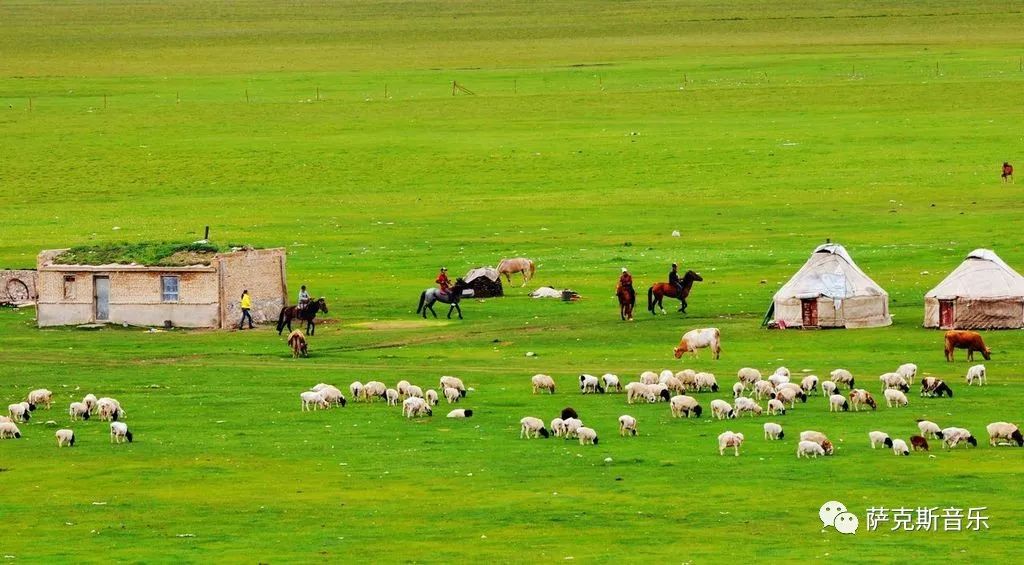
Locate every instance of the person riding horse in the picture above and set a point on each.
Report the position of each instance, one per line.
(673, 278)
(443, 282)
(626, 282)
(303, 298)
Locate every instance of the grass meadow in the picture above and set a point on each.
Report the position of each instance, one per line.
(756, 129)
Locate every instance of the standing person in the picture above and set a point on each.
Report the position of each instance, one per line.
(303, 298)
(1007, 172)
(443, 282)
(246, 304)
(626, 282)
(673, 279)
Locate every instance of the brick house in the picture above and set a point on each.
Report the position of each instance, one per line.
(202, 295)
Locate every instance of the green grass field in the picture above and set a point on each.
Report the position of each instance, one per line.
(756, 129)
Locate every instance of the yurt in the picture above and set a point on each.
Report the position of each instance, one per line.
(830, 291)
(485, 282)
(982, 293)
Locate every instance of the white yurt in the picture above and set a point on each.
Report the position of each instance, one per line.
(982, 293)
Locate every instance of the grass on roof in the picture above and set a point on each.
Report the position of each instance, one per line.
(162, 254)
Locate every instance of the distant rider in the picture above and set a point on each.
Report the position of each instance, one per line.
(443, 282)
(626, 282)
(673, 279)
(303, 298)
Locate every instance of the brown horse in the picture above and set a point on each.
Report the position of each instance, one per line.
(627, 300)
(662, 289)
(288, 313)
(509, 267)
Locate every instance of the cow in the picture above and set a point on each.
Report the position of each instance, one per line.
(297, 341)
(971, 341)
(698, 339)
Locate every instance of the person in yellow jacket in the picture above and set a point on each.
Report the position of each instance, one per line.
(246, 304)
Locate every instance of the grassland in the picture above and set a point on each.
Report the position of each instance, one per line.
(756, 129)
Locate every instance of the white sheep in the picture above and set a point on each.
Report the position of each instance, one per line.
(790, 394)
(587, 436)
(809, 384)
(543, 382)
(859, 396)
(40, 396)
(20, 412)
(648, 377)
(627, 425)
(894, 396)
(779, 378)
(729, 439)
(899, 447)
(119, 432)
(674, 385)
(738, 389)
(809, 449)
(313, 400)
(706, 381)
(413, 390)
(460, 413)
(843, 377)
(894, 380)
(558, 427)
(688, 377)
(828, 388)
(908, 371)
(977, 374)
(818, 438)
(775, 406)
(331, 394)
(532, 427)
(452, 394)
(746, 404)
(763, 389)
(590, 383)
(372, 390)
(109, 409)
(356, 388)
(773, 431)
(721, 409)
(9, 430)
(402, 387)
(90, 401)
(951, 437)
(929, 429)
(65, 437)
(453, 382)
(416, 406)
(1004, 431)
(838, 402)
(748, 375)
(682, 405)
(879, 438)
(431, 397)
(658, 393)
(392, 396)
(635, 391)
(571, 426)
(611, 382)
(78, 410)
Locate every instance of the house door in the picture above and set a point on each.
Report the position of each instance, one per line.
(101, 296)
(946, 311)
(810, 312)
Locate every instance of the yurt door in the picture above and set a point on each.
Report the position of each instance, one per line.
(946, 310)
(102, 297)
(810, 311)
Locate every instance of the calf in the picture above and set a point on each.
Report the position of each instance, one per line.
(698, 339)
(971, 341)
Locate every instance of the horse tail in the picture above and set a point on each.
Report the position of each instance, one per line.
(650, 298)
(533, 268)
(423, 298)
(280, 320)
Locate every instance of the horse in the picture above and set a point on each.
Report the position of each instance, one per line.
(288, 313)
(510, 267)
(297, 341)
(431, 295)
(662, 289)
(627, 300)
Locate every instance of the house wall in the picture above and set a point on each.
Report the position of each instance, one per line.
(10, 280)
(262, 273)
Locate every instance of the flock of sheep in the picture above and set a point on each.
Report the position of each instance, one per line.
(671, 387)
(415, 402)
(108, 409)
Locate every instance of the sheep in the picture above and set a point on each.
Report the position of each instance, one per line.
(610, 382)
(773, 431)
(627, 425)
(416, 406)
(893, 396)
(809, 384)
(775, 406)
(789, 394)
(843, 377)
(657, 393)
(460, 413)
(402, 387)
(951, 437)
(763, 389)
(452, 394)
(721, 409)
(648, 377)
(879, 437)
(119, 432)
(569, 412)
(665, 374)
(413, 390)
(730, 439)
(5, 418)
(542, 382)
(894, 380)
(818, 438)
(313, 399)
(745, 404)
(78, 410)
(40, 396)
(109, 409)
(738, 389)
(809, 449)
(636, 390)
(748, 375)
(929, 429)
(860, 396)
(1004, 430)
(431, 397)
(828, 388)
(21, 412)
(918, 443)
(674, 385)
(779, 378)
(9, 430)
(65, 437)
(683, 405)
(331, 394)
(90, 401)
(899, 447)
(453, 382)
(706, 381)
(908, 371)
(356, 388)
(688, 377)
(587, 436)
(558, 427)
(977, 373)
(392, 396)
(838, 402)
(572, 426)
(373, 389)
(532, 427)
(590, 383)
(931, 386)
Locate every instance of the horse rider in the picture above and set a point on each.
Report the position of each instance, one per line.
(443, 282)
(303, 298)
(673, 279)
(626, 282)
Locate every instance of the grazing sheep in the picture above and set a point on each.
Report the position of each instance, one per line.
(665, 374)
(738, 389)
(674, 385)
(109, 409)
(699, 339)
(569, 412)
(919, 443)
(763, 389)
(40, 396)
(611, 382)
(78, 410)
(65, 437)
(893, 396)
(558, 427)
(809, 449)
(745, 404)
(790, 394)
(402, 387)
(119, 432)
(1004, 430)
(817, 437)
(721, 409)
(773, 431)
(587, 436)
(431, 397)
(392, 396)
(90, 401)
(838, 402)
(452, 394)
(688, 377)
(842, 377)
(532, 427)
(542, 382)
(879, 437)
(860, 396)
(899, 447)
(9, 430)
(894, 380)
(658, 393)
(356, 388)
(21, 412)
(416, 406)
(453, 382)
(908, 371)
(5, 419)
(460, 413)
(931, 386)
(951, 437)
(648, 377)
(929, 429)
(828, 388)
(775, 406)
(572, 425)
(636, 390)
(729, 439)
(809, 384)
(627, 425)
(413, 390)
(683, 405)
(372, 390)
(312, 400)
(331, 394)
(706, 381)
(590, 383)
(748, 375)
(977, 374)
(779, 378)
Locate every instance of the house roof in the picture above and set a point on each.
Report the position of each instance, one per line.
(831, 272)
(982, 275)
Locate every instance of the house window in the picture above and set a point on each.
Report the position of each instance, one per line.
(69, 287)
(169, 287)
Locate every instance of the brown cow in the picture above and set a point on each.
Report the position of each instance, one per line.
(971, 341)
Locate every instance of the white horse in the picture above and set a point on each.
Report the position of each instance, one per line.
(522, 265)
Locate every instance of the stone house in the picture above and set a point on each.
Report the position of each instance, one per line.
(17, 286)
(201, 295)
